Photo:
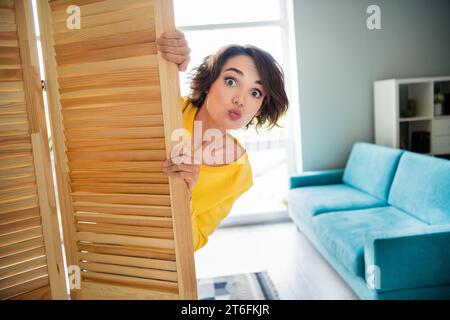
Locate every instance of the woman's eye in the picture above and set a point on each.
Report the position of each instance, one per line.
(230, 82)
(256, 93)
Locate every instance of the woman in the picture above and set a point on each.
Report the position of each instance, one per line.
(235, 88)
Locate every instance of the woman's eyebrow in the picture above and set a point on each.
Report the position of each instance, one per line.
(235, 70)
(239, 72)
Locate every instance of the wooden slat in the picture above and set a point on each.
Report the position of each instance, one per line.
(108, 18)
(11, 182)
(119, 144)
(151, 253)
(117, 40)
(142, 288)
(137, 155)
(22, 267)
(20, 236)
(129, 261)
(24, 161)
(18, 215)
(130, 271)
(7, 86)
(7, 16)
(97, 8)
(134, 50)
(11, 97)
(11, 292)
(124, 219)
(18, 193)
(19, 205)
(113, 110)
(117, 133)
(17, 172)
(127, 177)
(152, 284)
(10, 74)
(160, 200)
(120, 78)
(23, 277)
(42, 293)
(163, 233)
(125, 209)
(138, 121)
(12, 108)
(125, 240)
(6, 128)
(14, 147)
(7, 51)
(20, 225)
(63, 4)
(22, 256)
(97, 92)
(111, 100)
(13, 119)
(130, 166)
(16, 248)
(142, 188)
(147, 61)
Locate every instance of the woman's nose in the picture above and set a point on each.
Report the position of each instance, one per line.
(238, 101)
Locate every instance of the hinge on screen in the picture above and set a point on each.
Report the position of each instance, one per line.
(43, 85)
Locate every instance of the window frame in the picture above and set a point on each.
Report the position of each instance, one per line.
(286, 24)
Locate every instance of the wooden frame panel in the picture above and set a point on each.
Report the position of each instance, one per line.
(114, 105)
(31, 261)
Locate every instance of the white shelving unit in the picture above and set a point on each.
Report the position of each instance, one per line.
(394, 130)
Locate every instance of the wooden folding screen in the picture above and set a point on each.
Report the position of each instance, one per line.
(31, 262)
(114, 103)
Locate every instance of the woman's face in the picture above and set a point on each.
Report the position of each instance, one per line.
(236, 96)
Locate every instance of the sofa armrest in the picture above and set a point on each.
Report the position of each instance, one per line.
(405, 259)
(316, 178)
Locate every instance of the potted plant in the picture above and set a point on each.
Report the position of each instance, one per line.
(438, 102)
(409, 110)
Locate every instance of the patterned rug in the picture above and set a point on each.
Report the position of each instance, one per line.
(244, 286)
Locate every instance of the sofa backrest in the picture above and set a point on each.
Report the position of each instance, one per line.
(371, 168)
(421, 187)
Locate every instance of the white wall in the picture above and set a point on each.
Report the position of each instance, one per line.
(339, 59)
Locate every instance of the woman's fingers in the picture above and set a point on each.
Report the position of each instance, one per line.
(172, 168)
(174, 48)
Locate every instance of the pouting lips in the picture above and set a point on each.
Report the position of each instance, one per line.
(234, 114)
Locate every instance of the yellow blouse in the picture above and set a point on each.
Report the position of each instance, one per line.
(216, 189)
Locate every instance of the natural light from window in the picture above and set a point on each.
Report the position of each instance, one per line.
(211, 24)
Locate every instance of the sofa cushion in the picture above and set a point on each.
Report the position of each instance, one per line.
(371, 168)
(306, 202)
(421, 187)
(344, 233)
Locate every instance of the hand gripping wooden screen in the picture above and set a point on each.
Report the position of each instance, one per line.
(31, 263)
(114, 103)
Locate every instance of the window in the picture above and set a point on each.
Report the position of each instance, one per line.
(211, 24)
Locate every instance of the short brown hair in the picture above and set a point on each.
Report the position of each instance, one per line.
(275, 102)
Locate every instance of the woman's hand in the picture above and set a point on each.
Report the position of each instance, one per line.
(183, 164)
(174, 48)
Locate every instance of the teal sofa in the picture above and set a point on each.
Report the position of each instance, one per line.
(383, 222)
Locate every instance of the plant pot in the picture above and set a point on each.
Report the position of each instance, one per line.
(438, 110)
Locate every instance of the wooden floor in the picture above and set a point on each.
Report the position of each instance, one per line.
(294, 265)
